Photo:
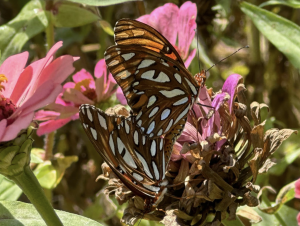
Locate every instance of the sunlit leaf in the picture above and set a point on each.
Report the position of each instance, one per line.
(29, 22)
(8, 189)
(281, 32)
(102, 2)
(106, 27)
(74, 15)
(249, 213)
(19, 213)
(36, 154)
(294, 4)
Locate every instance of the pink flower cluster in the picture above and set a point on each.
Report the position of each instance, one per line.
(25, 90)
(84, 90)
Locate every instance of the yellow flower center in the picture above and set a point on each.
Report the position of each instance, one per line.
(2, 79)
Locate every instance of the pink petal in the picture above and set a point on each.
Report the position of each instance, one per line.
(146, 19)
(191, 56)
(44, 95)
(165, 20)
(46, 115)
(3, 124)
(51, 125)
(186, 27)
(298, 219)
(100, 86)
(76, 97)
(21, 122)
(175, 156)
(189, 134)
(12, 68)
(101, 70)
(121, 96)
(230, 85)
(21, 86)
(81, 75)
(297, 189)
(58, 70)
(38, 66)
(69, 85)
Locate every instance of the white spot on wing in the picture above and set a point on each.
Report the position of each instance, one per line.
(139, 115)
(155, 169)
(151, 101)
(151, 127)
(151, 188)
(153, 148)
(94, 133)
(160, 132)
(111, 144)
(145, 165)
(128, 56)
(164, 166)
(145, 63)
(123, 74)
(153, 112)
(121, 146)
(102, 121)
(89, 114)
(113, 63)
(136, 137)
(126, 127)
(169, 125)
(178, 77)
(181, 101)
(129, 160)
(161, 78)
(137, 176)
(144, 140)
(192, 87)
(161, 143)
(172, 93)
(182, 114)
(165, 114)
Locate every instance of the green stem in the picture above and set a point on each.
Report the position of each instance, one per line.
(32, 189)
(49, 143)
(278, 217)
(50, 34)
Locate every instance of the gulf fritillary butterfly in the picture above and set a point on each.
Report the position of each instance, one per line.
(139, 162)
(157, 86)
(160, 91)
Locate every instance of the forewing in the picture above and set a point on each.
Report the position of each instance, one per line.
(139, 162)
(159, 91)
(131, 32)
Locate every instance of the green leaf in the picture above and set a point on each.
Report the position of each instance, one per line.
(281, 32)
(49, 174)
(74, 15)
(106, 27)
(36, 154)
(236, 222)
(29, 22)
(8, 189)
(291, 3)
(285, 216)
(13, 213)
(285, 194)
(102, 2)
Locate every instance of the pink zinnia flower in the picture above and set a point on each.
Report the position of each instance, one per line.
(297, 195)
(175, 24)
(29, 89)
(84, 90)
(209, 127)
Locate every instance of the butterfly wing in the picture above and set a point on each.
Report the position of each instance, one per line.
(159, 89)
(138, 161)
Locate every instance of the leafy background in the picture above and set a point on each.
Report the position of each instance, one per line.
(270, 68)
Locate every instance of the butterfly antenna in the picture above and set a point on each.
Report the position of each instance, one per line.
(228, 56)
(197, 40)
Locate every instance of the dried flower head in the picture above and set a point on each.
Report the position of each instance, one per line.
(215, 162)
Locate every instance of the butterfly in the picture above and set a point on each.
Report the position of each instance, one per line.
(157, 86)
(139, 162)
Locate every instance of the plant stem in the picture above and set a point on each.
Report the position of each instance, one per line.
(50, 34)
(49, 143)
(32, 189)
(278, 217)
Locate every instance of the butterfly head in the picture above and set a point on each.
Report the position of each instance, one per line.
(201, 78)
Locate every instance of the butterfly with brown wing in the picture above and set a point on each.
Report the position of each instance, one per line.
(157, 86)
(139, 162)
